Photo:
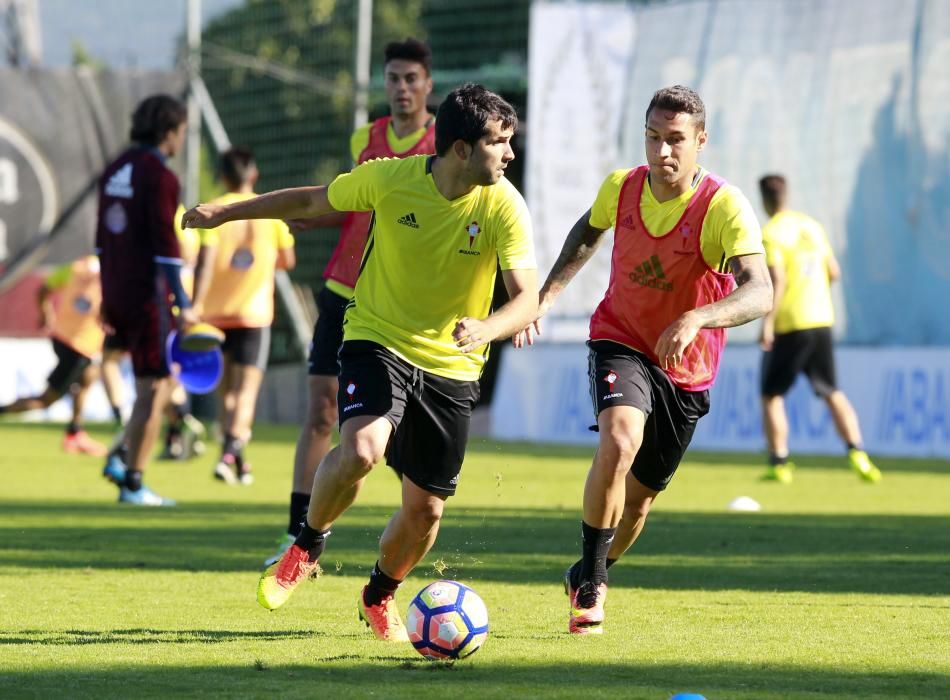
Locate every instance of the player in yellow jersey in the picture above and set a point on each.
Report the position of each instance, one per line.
(235, 292)
(796, 333)
(416, 332)
(407, 130)
(687, 263)
(72, 321)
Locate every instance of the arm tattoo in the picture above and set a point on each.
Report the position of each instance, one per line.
(751, 299)
(580, 245)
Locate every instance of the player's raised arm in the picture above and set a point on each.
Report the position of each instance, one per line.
(579, 246)
(292, 203)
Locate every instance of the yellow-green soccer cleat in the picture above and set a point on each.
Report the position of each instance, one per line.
(782, 473)
(862, 464)
(279, 581)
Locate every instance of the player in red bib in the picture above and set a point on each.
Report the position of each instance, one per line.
(408, 130)
(687, 263)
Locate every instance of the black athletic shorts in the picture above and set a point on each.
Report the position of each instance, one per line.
(114, 342)
(809, 351)
(430, 414)
(247, 346)
(327, 334)
(620, 376)
(69, 367)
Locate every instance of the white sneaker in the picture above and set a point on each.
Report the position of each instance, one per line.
(283, 544)
(224, 471)
(143, 497)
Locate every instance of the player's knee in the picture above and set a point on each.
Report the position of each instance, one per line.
(322, 415)
(620, 447)
(360, 454)
(424, 514)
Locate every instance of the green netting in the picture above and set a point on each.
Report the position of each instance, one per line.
(281, 75)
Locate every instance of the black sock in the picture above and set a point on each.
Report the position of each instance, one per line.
(313, 541)
(574, 573)
(299, 502)
(133, 480)
(853, 446)
(380, 586)
(117, 415)
(73, 428)
(596, 543)
(776, 461)
(122, 452)
(232, 446)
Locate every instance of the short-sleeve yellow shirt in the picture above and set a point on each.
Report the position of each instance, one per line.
(729, 229)
(429, 261)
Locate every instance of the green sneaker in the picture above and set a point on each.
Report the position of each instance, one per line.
(862, 464)
(782, 473)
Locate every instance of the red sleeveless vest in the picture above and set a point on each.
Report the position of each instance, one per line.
(654, 280)
(344, 265)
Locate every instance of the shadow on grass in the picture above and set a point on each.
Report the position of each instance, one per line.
(346, 675)
(584, 454)
(147, 636)
(814, 553)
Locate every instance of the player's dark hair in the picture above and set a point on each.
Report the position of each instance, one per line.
(409, 50)
(154, 117)
(235, 164)
(680, 98)
(464, 114)
(773, 189)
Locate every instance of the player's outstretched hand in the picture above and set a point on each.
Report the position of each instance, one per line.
(203, 216)
(471, 333)
(675, 339)
(186, 319)
(527, 334)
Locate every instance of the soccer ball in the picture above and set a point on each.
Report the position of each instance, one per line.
(447, 620)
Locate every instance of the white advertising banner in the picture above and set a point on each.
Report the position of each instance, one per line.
(849, 99)
(902, 396)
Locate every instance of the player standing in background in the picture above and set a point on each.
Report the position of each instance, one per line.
(140, 258)
(235, 292)
(408, 130)
(796, 333)
(72, 322)
(683, 239)
(416, 334)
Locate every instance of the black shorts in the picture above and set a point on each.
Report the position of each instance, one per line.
(809, 351)
(620, 376)
(327, 334)
(430, 414)
(69, 367)
(143, 334)
(247, 346)
(113, 342)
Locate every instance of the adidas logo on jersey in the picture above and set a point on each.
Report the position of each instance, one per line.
(650, 273)
(408, 220)
(627, 221)
(120, 184)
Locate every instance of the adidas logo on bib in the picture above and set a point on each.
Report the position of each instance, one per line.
(650, 273)
(408, 220)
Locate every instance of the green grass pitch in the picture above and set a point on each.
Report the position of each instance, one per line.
(837, 589)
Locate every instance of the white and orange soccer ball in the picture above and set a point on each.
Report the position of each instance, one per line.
(447, 620)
